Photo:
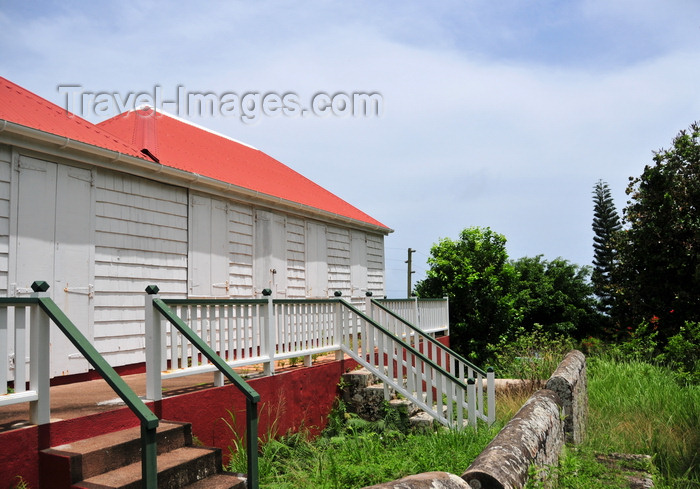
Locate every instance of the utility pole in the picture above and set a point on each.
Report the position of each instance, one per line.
(410, 271)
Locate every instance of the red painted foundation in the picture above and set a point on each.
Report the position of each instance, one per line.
(291, 400)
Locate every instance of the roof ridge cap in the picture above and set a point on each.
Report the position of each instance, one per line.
(161, 112)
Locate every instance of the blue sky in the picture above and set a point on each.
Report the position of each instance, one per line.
(500, 114)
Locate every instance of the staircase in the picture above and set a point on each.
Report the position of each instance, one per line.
(364, 394)
(113, 461)
(416, 366)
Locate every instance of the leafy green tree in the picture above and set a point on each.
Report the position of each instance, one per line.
(606, 223)
(657, 279)
(556, 295)
(474, 273)
(492, 298)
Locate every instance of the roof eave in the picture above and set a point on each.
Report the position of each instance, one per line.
(28, 137)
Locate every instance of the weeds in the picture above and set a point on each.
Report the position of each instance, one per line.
(532, 355)
(354, 453)
(21, 483)
(634, 408)
(581, 468)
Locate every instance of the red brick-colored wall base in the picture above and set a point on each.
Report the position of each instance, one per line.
(299, 398)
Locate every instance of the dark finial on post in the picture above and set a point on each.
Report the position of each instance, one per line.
(40, 286)
(152, 289)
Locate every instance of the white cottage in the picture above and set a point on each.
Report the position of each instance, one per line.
(101, 211)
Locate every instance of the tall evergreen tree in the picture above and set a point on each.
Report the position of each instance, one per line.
(657, 278)
(606, 223)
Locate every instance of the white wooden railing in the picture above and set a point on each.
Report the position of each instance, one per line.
(247, 332)
(445, 358)
(15, 331)
(428, 315)
(37, 313)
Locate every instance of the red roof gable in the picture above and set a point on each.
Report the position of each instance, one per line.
(177, 144)
(180, 144)
(27, 109)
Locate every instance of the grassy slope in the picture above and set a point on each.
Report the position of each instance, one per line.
(635, 407)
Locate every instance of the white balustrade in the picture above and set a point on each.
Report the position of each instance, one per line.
(265, 331)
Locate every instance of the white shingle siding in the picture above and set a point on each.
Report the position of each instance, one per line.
(296, 258)
(5, 173)
(140, 239)
(316, 250)
(241, 250)
(339, 260)
(375, 264)
(138, 232)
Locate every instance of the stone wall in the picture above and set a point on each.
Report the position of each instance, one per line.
(535, 436)
(569, 380)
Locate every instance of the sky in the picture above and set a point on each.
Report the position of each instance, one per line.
(493, 114)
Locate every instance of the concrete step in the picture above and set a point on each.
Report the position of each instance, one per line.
(93, 456)
(176, 469)
(220, 481)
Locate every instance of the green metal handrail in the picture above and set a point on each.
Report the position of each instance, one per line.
(252, 397)
(149, 421)
(424, 335)
(406, 346)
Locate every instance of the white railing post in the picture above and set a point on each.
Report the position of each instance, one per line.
(154, 347)
(39, 360)
(4, 351)
(447, 315)
(491, 394)
(338, 330)
(368, 306)
(416, 315)
(471, 401)
(270, 328)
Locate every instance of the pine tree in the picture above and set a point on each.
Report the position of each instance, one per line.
(606, 223)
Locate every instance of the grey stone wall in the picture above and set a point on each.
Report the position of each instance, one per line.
(428, 480)
(535, 436)
(570, 382)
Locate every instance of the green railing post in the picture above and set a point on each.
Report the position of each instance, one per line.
(252, 443)
(252, 397)
(149, 455)
(149, 421)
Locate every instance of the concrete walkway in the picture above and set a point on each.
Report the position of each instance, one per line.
(80, 399)
(95, 396)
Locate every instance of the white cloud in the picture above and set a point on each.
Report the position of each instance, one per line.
(501, 115)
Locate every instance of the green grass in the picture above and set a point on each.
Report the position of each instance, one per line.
(21, 483)
(354, 453)
(581, 468)
(634, 407)
(637, 408)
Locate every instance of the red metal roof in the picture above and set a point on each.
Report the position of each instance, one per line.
(27, 109)
(186, 146)
(178, 144)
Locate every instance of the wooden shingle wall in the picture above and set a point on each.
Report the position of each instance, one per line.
(134, 232)
(140, 239)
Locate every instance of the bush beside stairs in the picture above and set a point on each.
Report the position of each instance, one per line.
(113, 461)
(363, 394)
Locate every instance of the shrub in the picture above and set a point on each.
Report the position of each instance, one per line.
(682, 353)
(532, 355)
